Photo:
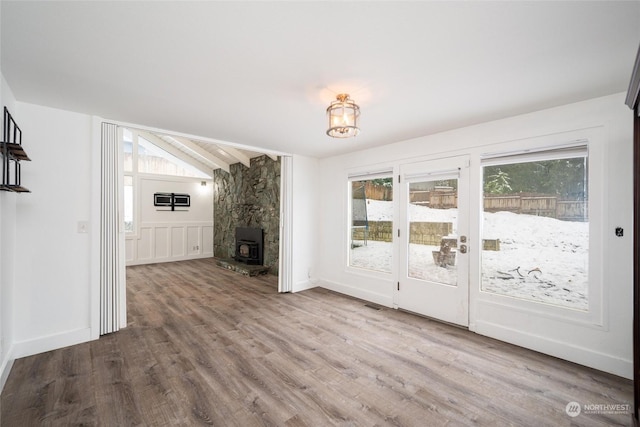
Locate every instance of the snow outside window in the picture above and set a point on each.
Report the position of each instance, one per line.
(371, 222)
(536, 228)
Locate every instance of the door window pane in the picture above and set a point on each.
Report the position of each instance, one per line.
(433, 235)
(536, 231)
(371, 224)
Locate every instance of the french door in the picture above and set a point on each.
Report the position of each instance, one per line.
(433, 236)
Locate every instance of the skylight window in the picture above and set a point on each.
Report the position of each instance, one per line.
(155, 160)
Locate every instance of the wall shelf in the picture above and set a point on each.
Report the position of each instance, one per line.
(12, 155)
(14, 188)
(15, 151)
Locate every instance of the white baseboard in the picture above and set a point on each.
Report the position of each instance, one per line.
(5, 367)
(563, 350)
(304, 285)
(363, 294)
(50, 342)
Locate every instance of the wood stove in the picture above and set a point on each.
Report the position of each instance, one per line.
(249, 245)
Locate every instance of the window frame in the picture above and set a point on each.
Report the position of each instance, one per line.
(537, 148)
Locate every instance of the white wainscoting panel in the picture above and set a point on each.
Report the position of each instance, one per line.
(194, 244)
(129, 250)
(145, 245)
(163, 242)
(207, 240)
(178, 241)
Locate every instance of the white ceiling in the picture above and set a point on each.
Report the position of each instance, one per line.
(261, 74)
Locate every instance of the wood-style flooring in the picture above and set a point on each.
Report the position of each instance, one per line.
(206, 346)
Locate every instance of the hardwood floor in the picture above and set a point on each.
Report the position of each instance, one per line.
(206, 346)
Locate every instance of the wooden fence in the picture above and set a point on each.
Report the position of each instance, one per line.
(522, 203)
(540, 205)
(529, 204)
(372, 191)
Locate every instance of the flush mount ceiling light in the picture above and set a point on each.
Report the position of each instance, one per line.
(343, 116)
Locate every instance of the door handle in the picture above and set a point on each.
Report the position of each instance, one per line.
(463, 249)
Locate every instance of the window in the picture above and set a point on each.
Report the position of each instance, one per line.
(127, 149)
(128, 204)
(152, 159)
(371, 222)
(536, 227)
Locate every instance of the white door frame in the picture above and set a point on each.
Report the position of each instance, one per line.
(449, 303)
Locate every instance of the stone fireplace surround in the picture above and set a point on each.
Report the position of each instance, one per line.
(248, 197)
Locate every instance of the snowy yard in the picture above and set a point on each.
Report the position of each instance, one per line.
(540, 259)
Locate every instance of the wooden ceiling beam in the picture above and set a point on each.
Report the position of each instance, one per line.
(236, 154)
(199, 151)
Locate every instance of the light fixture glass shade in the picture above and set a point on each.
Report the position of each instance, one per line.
(343, 116)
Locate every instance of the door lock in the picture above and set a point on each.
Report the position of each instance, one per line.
(463, 249)
(463, 239)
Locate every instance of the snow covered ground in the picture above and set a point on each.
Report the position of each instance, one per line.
(540, 259)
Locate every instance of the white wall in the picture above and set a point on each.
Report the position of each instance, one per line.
(7, 258)
(52, 259)
(161, 235)
(605, 345)
(304, 229)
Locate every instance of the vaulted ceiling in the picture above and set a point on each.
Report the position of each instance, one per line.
(259, 75)
(204, 156)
